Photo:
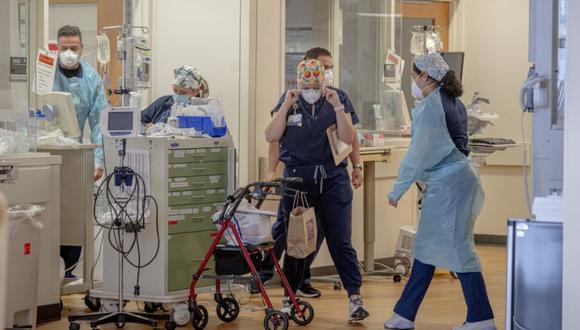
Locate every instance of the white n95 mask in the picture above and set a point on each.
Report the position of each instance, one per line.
(328, 77)
(416, 91)
(311, 96)
(68, 59)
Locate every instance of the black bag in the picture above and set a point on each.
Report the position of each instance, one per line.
(229, 260)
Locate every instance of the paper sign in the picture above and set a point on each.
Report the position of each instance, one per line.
(394, 66)
(340, 150)
(45, 71)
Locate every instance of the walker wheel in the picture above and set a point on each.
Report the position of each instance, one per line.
(227, 309)
(397, 278)
(74, 326)
(180, 314)
(199, 317)
(337, 286)
(276, 320)
(94, 304)
(307, 313)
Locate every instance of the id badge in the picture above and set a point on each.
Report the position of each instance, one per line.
(295, 120)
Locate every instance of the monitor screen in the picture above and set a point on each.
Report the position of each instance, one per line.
(455, 62)
(120, 121)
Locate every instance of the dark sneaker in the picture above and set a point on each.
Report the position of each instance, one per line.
(307, 291)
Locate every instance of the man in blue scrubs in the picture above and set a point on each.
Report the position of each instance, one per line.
(79, 78)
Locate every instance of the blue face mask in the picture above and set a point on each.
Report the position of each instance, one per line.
(181, 99)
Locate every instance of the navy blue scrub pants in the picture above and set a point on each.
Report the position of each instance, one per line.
(71, 255)
(333, 208)
(474, 291)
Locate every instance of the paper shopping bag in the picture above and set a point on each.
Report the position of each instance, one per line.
(302, 229)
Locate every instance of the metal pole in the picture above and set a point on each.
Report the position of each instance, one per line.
(369, 216)
(120, 309)
(126, 33)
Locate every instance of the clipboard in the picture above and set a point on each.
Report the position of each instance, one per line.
(340, 150)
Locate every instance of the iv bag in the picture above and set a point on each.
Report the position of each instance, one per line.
(103, 49)
(417, 43)
(433, 42)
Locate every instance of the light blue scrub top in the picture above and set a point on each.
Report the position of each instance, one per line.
(89, 100)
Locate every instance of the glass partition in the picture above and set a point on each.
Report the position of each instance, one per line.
(17, 131)
(360, 34)
(369, 29)
(308, 25)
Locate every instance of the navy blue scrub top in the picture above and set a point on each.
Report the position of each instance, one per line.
(456, 120)
(307, 145)
(158, 111)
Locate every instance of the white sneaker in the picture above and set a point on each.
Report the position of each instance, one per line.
(397, 322)
(483, 325)
(286, 306)
(356, 310)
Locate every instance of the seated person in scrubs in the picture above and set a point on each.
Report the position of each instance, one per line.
(299, 125)
(188, 86)
(74, 75)
(438, 157)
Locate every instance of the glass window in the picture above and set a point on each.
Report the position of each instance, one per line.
(359, 33)
(370, 28)
(308, 25)
(16, 132)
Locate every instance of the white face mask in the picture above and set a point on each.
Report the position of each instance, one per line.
(68, 59)
(416, 90)
(328, 77)
(311, 96)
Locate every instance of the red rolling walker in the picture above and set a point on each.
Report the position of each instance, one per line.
(228, 309)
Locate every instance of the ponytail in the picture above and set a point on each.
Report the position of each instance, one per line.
(451, 85)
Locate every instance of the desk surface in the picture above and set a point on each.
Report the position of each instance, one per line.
(71, 147)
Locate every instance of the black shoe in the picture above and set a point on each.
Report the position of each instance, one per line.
(253, 287)
(307, 291)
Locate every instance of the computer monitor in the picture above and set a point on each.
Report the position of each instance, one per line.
(455, 62)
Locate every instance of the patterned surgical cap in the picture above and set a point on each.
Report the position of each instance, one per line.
(187, 77)
(310, 71)
(434, 64)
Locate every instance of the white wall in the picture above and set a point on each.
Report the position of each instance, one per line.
(571, 287)
(206, 35)
(494, 36)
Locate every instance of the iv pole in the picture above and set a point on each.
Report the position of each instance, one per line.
(121, 317)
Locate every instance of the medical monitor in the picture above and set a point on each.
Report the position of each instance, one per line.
(121, 122)
(455, 62)
(59, 112)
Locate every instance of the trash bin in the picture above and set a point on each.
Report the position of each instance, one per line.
(20, 280)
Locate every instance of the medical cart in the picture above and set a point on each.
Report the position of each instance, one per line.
(190, 178)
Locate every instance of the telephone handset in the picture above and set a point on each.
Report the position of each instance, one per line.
(533, 93)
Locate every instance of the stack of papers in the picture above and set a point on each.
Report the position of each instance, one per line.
(549, 208)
